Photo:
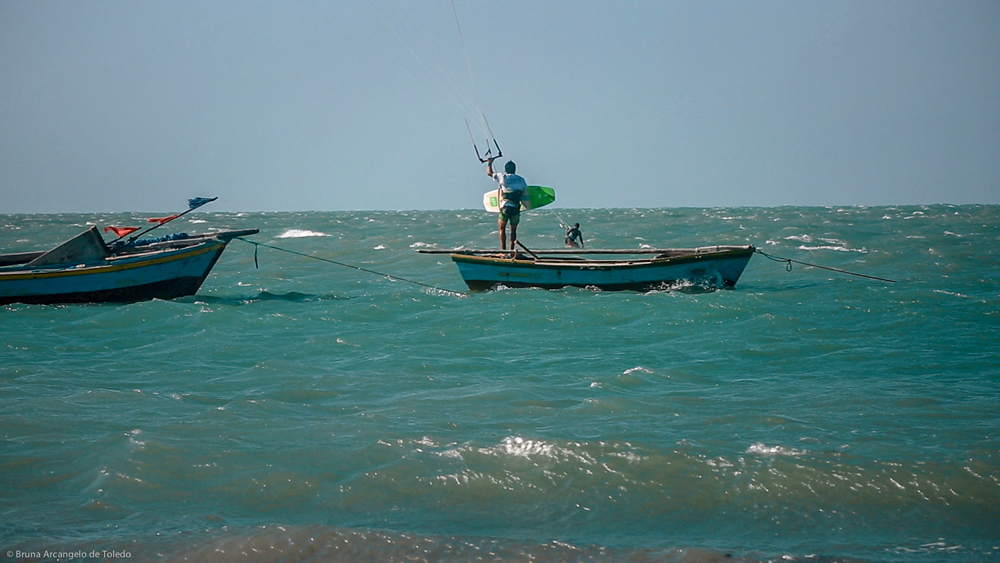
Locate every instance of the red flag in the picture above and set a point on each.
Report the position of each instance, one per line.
(162, 220)
(121, 231)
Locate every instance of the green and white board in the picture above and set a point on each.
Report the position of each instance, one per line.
(537, 196)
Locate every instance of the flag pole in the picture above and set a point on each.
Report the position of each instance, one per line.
(193, 204)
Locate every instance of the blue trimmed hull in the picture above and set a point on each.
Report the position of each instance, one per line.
(162, 274)
(711, 269)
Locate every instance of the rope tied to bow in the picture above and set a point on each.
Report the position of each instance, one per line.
(788, 266)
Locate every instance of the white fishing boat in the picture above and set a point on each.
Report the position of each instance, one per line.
(619, 269)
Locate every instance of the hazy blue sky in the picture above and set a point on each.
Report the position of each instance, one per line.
(329, 105)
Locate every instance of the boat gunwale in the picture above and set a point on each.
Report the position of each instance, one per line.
(731, 252)
(17, 261)
(116, 263)
(712, 249)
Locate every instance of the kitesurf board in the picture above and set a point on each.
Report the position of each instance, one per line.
(537, 196)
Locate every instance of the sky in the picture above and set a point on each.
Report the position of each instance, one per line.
(292, 105)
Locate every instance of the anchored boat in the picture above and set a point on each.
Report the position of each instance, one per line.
(640, 270)
(85, 269)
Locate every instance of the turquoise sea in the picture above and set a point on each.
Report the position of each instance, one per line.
(305, 411)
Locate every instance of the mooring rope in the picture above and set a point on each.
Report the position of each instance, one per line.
(789, 262)
(391, 277)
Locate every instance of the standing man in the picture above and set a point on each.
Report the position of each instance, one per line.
(511, 190)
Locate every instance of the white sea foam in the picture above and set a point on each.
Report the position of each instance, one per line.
(835, 248)
(516, 446)
(943, 292)
(301, 233)
(762, 449)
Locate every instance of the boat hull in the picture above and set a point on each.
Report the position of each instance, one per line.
(162, 274)
(719, 267)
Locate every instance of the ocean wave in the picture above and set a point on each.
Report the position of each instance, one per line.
(315, 543)
(301, 233)
(776, 419)
(263, 295)
(952, 293)
(762, 449)
(834, 248)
